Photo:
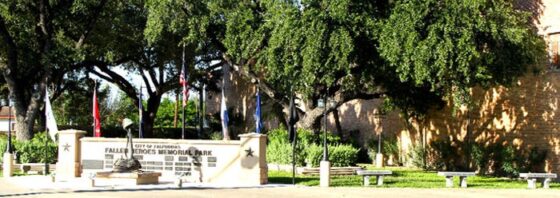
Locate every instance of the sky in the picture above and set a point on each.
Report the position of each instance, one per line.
(136, 80)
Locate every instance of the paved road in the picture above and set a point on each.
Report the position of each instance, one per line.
(8, 189)
(294, 192)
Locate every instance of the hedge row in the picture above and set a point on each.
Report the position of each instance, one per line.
(309, 150)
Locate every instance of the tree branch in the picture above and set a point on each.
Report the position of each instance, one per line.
(91, 24)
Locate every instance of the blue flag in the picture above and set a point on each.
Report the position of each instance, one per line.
(258, 124)
(224, 116)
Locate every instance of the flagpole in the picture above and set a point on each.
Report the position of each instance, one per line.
(141, 111)
(293, 133)
(94, 98)
(46, 172)
(200, 103)
(183, 123)
(183, 95)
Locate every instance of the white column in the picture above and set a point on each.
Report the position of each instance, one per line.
(325, 174)
(8, 165)
(254, 170)
(69, 159)
(378, 160)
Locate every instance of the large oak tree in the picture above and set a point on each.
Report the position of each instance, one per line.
(40, 41)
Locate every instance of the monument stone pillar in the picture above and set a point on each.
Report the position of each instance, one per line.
(69, 165)
(254, 169)
(8, 165)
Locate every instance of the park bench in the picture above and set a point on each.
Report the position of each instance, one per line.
(532, 179)
(462, 178)
(333, 171)
(35, 168)
(378, 173)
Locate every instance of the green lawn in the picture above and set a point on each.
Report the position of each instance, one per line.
(404, 178)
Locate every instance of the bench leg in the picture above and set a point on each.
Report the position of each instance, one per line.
(91, 182)
(531, 183)
(449, 181)
(366, 180)
(546, 183)
(380, 180)
(463, 182)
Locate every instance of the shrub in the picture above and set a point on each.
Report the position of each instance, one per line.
(535, 160)
(389, 146)
(33, 151)
(506, 160)
(343, 155)
(314, 155)
(216, 136)
(309, 149)
(418, 157)
(445, 155)
(480, 157)
(279, 148)
(3, 146)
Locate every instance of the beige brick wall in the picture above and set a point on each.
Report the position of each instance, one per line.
(524, 115)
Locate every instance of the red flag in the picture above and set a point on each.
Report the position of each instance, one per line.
(96, 118)
(184, 83)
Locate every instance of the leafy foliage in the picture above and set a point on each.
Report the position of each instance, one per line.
(166, 113)
(450, 45)
(308, 151)
(389, 147)
(34, 150)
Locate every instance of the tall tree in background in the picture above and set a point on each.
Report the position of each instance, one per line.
(40, 39)
(450, 46)
(416, 52)
(132, 48)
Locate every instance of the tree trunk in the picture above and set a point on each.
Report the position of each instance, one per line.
(149, 115)
(176, 115)
(23, 127)
(148, 127)
(310, 118)
(25, 117)
(337, 123)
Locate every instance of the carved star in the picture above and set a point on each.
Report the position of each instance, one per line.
(66, 147)
(249, 152)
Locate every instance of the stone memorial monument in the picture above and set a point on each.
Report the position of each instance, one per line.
(127, 170)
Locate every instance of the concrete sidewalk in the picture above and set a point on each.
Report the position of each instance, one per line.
(41, 186)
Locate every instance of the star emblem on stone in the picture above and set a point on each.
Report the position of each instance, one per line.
(249, 152)
(66, 147)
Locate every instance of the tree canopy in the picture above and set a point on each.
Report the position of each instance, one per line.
(414, 53)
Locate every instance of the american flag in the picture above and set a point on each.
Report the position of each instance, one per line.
(184, 83)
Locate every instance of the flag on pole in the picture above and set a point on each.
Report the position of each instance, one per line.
(224, 116)
(140, 109)
(258, 124)
(184, 83)
(51, 122)
(96, 117)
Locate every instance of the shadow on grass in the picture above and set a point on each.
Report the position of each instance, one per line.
(288, 180)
